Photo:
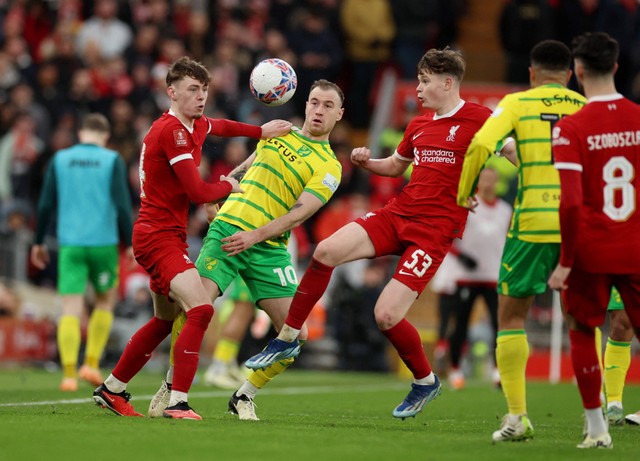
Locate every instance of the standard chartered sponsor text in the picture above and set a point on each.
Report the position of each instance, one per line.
(612, 140)
(434, 156)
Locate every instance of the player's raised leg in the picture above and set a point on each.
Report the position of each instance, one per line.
(349, 243)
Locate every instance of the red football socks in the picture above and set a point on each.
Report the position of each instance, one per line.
(312, 286)
(140, 347)
(586, 367)
(186, 351)
(406, 339)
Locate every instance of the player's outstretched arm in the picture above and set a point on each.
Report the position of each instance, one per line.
(198, 190)
(231, 128)
(275, 128)
(391, 166)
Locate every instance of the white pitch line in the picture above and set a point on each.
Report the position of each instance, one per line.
(284, 391)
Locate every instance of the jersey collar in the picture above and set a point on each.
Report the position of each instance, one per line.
(451, 113)
(606, 97)
(172, 113)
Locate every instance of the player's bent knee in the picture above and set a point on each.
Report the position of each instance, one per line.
(201, 315)
(385, 320)
(329, 254)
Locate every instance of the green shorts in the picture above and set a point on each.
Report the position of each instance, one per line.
(525, 267)
(615, 303)
(78, 264)
(266, 269)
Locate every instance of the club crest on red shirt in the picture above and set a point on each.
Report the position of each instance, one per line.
(180, 137)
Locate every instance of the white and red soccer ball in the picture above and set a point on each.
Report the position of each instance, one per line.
(273, 82)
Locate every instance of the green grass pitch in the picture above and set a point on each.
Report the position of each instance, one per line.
(304, 416)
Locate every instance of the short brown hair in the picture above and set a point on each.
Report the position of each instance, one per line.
(186, 67)
(446, 61)
(327, 85)
(598, 52)
(96, 122)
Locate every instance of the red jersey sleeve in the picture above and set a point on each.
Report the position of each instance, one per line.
(175, 142)
(566, 147)
(230, 128)
(566, 156)
(178, 148)
(570, 214)
(196, 189)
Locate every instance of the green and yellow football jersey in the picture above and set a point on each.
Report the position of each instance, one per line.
(284, 167)
(528, 116)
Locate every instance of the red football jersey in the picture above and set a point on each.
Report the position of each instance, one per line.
(164, 202)
(437, 146)
(602, 141)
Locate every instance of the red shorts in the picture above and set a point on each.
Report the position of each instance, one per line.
(421, 246)
(588, 295)
(163, 254)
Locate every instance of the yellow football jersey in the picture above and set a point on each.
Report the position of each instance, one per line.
(528, 116)
(284, 167)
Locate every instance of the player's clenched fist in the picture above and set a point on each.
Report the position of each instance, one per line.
(360, 155)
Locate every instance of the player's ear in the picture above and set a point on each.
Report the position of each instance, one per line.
(569, 74)
(578, 70)
(171, 93)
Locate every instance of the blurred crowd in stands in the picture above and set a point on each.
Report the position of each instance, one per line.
(524, 23)
(61, 59)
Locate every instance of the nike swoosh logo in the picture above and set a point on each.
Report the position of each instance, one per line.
(147, 355)
(190, 353)
(612, 367)
(507, 267)
(416, 136)
(110, 399)
(403, 272)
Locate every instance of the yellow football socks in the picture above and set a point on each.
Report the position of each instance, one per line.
(617, 359)
(598, 335)
(512, 353)
(97, 336)
(261, 377)
(226, 350)
(178, 324)
(69, 344)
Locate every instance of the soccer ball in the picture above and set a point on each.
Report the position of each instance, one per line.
(273, 82)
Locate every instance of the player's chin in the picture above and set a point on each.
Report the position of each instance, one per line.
(317, 128)
(426, 104)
